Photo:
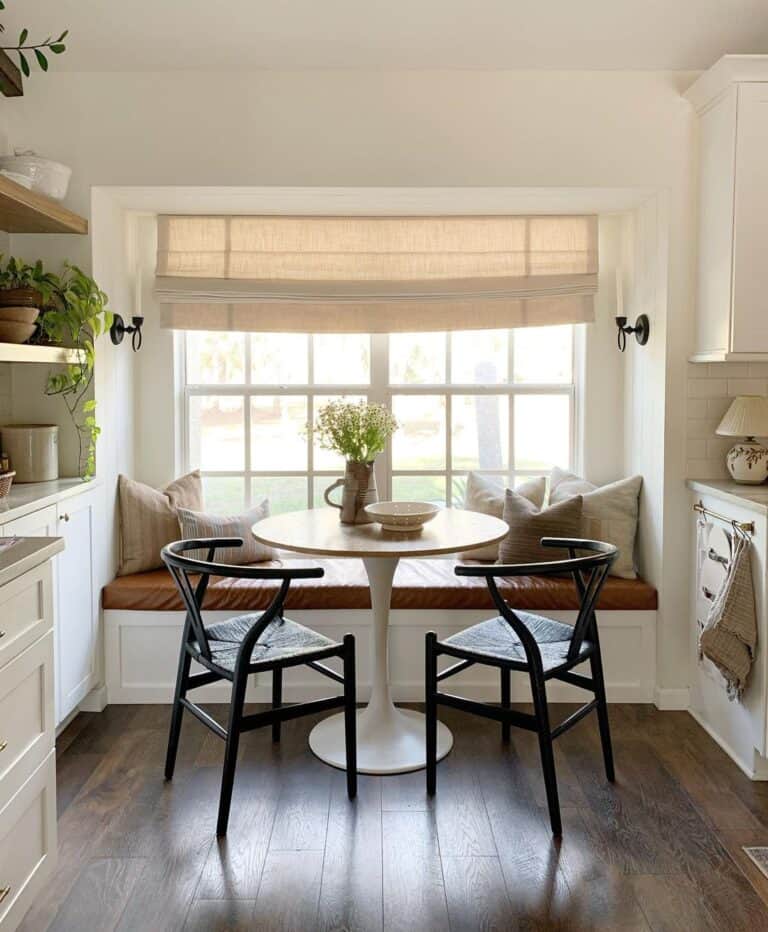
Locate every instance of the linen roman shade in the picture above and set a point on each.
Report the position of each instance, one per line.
(375, 274)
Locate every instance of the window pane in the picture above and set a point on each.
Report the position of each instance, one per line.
(542, 431)
(544, 354)
(215, 358)
(419, 489)
(279, 358)
(480, 431)
(327, 459)
(479, 357)
(285, 493)
(224, 495)
(216, 432)
(342, 358)
(417, 358)
(279, 432)
(419, 443)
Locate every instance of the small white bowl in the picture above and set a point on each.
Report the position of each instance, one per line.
(402, 516)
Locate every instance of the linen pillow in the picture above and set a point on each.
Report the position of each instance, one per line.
(485, 495)
(196, 524)
(527, 525)
(149, 520)
(609, 513)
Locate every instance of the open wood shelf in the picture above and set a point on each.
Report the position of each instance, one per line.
(24, 352)
(24, 211)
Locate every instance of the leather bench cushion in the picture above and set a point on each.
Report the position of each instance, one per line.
(419, 584)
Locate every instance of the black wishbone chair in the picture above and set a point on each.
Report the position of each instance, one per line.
(250, 643)
(541, 647)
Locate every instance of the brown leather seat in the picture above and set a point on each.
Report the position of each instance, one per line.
(419, 584)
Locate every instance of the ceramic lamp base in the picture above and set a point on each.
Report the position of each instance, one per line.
(747, 462)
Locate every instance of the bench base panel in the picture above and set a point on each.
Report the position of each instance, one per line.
(141, 654)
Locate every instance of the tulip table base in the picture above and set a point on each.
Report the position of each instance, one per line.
(389, 740)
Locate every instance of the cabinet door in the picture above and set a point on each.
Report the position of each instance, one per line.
(750, 227)
(76, 609)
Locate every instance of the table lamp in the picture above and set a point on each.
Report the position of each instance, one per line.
(747, 417)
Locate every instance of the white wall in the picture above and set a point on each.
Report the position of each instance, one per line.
(549, 129)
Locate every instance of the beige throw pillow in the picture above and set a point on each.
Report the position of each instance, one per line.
(609, 513)
(527, 525)
(149, 519)
(485, 494)
(196, 524)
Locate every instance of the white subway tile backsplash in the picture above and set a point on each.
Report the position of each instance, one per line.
(707, 388)
(711, 388)
(747, 387)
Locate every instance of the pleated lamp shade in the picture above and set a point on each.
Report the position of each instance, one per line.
(746, 417)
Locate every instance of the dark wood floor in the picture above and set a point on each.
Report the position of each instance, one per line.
(659, 850)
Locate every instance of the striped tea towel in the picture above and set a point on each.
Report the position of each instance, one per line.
(729, 637)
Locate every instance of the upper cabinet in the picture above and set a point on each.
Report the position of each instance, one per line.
(731, 100)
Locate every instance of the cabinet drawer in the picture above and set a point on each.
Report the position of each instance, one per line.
(27, 843)
(26, 715)
(26, 611)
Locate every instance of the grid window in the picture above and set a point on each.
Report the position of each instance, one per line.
(499, 402)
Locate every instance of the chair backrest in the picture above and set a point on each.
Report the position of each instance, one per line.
(589, 572)
(182, 568)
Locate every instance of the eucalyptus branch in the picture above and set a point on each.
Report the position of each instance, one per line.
(54, 46)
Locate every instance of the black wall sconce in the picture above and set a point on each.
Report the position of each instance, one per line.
(118, 330)
(641, 331)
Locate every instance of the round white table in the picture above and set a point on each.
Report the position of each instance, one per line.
(389, 740)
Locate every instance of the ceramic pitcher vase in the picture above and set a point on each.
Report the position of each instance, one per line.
(358, 490)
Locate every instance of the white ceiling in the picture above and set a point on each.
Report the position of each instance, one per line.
(241, 35)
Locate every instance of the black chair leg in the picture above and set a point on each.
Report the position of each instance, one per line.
(596, 665)
(277, 699)
(538, 688)
(505, 701)
(430, 681)
(230, 754)
(350, 714)
(178, 710)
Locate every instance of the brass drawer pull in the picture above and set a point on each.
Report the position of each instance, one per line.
(4, 893)
(3, 745)
(2, 634)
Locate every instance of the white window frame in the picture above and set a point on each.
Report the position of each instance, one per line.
(379, 390)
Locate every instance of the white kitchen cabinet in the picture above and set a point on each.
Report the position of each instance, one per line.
(75, 595)
(731, 100)
(76, 606)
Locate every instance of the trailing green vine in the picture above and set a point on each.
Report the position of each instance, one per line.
(77, 315)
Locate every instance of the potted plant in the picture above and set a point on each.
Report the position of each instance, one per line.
(76, 314)
(359, 432)
(24, 291)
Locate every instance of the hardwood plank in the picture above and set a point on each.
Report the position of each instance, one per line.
(414, 893)
(462, 821)
(234, 865)
(99, 896)
(301, 820)
(220, 916)
(289, 892)
(72, 773)
(476, 894)
(351, 891)
(671, 903)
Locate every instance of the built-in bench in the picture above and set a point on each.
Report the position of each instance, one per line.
(143, 621)
(418, 584)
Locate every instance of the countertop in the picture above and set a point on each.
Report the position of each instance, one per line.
(754, 497)
(26, 553)
(31, 496)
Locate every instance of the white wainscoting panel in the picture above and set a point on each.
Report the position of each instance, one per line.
(142, 650)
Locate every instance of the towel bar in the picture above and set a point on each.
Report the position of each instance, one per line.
(748, 526)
